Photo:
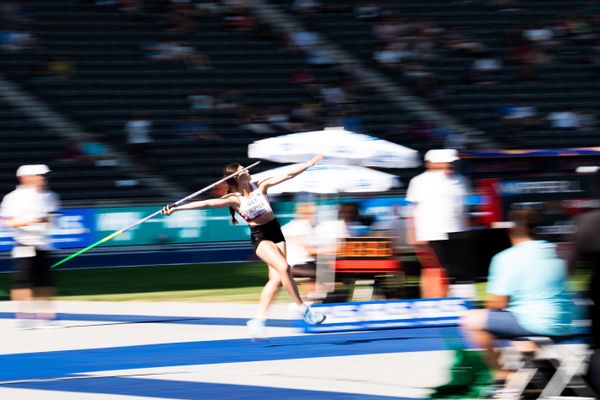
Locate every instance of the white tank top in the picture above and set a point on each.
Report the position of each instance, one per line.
(254, 206)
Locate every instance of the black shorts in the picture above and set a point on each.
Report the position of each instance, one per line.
(306, 270)
(269, 231)
(33, 272)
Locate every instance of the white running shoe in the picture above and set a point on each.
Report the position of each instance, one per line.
(49, 324)
(313, 317)
(26, 324)
(257, 328)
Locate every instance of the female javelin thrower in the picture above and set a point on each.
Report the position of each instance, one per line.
(251, 202)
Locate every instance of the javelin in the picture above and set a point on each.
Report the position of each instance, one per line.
(178, 202)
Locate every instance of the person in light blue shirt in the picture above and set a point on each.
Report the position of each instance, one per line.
(527, 292)
(534, 279)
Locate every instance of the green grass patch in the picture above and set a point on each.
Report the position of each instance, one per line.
(249, 294)
(235, 282)
(200, 282)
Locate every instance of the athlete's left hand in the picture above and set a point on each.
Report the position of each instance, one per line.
(316, 159)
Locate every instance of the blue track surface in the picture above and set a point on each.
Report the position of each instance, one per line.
(190, 390)
(63, 363)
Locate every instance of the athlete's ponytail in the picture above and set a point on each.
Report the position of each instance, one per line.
(231, 185)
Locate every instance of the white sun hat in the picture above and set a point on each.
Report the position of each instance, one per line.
(32, 170)
(441, 155)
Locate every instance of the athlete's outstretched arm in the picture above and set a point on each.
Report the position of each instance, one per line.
(227, 201)
(275, 180)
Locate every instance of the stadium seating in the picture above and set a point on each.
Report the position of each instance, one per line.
(115, 76)
(26, 142)
(568, 82)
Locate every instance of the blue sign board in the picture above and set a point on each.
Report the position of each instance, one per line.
(72, 228)
(389, 314)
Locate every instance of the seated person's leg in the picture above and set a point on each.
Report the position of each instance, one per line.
(482, 327)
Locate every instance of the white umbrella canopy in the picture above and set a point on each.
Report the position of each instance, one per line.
(328, 178)
(338, 146)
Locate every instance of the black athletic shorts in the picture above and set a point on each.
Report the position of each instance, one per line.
(33, 272)
(269, 231)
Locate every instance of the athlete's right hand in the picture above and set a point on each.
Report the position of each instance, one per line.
(168, 209)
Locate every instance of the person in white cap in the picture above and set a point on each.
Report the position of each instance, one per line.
(438, 207)
(28, 210)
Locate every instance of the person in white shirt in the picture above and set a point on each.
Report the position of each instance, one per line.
(299, 234)
(438, 198)
(302, 245)
(139, 141)
(438, 206)
(28, 210)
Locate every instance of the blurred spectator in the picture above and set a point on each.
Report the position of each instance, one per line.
(566, 119)
(62, 68)
(107, 3)
(89, 149)
(306, 6)
(176, 51)
(504, 5)
(368, 11)
(300, 242)
(354, 223)
(349, 223)
(240, 18)
(72, 152)
(388, 29)
(131, 7)
(333, 95)
(200, 101)
(255, 122)
(208, 6)
(518, 113)
(279, 118)
(230, 99)
(528, 54)
(165, 51)
(484, 66)
(457, 40)
(17, 13)
(303, 76)
(305, 116)
(393, 53)
(139, 141)
(527, 293)
(581, 30)
(191, 129)
(456, 140)
(16, 40)
(320, 55)
(96, 151)
(29, 210)
(542, 34)
(303, 40)
(181, 17)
